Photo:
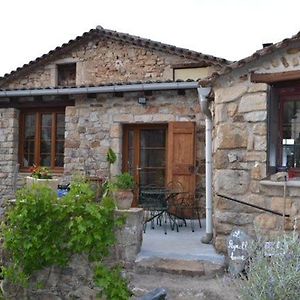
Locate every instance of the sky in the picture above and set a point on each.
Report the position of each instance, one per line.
(231, 29)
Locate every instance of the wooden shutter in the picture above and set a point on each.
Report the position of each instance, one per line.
(181, 160)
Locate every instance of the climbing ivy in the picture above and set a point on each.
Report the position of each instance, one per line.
(40, 231)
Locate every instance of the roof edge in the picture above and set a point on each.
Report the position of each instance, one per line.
(100, 32)
(115, 88)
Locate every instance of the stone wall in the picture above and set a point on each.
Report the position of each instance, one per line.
(105, 61)
(240, 151)
(76, 280)
(94, 125)
(9, 134)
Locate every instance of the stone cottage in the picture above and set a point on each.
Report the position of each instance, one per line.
(139, 97)
(256, 134)
(106, 89)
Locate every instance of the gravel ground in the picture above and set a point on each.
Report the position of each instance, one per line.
(184, 287)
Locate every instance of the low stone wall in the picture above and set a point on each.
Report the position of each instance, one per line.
(76, 280)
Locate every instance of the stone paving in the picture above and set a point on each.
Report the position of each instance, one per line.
(183, 245)
(181, 264)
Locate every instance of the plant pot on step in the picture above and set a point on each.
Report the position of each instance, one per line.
(123, 198)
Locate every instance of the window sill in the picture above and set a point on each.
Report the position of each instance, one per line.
(295, 182)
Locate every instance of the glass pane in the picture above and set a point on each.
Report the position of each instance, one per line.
(46, 133)
(29, 140)
(291, 134)
(130, 139)
(60, 120)
(152, 178)
(46, 146)
(60, 133)
(30, 120)
(153, 158)
(29, 126)
(46, 120)
(60, 126)
(130, 158)
(130, 162)
(59, 147)
(59, 161)
(29, 146)
(153, 138)
(28, 159)
(45, 160)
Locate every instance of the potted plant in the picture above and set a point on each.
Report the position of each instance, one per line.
(123, 193)
(42, 176)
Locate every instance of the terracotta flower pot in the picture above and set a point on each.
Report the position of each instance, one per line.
(123, 198)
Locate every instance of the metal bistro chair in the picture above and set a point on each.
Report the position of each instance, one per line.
(176, 191)
(188, 208)
(153, 200)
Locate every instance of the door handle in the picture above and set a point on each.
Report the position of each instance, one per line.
(138, 169)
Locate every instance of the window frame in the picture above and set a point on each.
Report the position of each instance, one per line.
(60, 68)
(38, 112)
(285, 95)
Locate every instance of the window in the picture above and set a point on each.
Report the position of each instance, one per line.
(284, 128)
(290, 132)
(66, 74)
(42, 135)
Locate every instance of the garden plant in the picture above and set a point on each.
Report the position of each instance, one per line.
(40, 231)
(273, 272)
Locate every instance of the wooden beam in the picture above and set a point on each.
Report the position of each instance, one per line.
(274, 77)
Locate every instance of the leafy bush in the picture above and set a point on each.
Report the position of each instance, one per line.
(124, 181)
(274, 273)
(41, 231)
(114, 286)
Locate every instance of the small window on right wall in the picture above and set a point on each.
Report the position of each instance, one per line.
(284, 129)
(66, 74)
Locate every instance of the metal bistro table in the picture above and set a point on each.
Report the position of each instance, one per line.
(159, 203)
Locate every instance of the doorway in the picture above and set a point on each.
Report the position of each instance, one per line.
(156, 154)
(145, 154)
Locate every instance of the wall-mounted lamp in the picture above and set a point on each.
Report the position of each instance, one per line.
(142, 100)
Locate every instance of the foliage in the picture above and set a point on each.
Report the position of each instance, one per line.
(124, 181)
(111, 156)
(41, 230)
(113, 284)
(274, 273)
(40, 172)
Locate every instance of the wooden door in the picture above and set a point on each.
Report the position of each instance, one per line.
(144, 155)
(182, 155)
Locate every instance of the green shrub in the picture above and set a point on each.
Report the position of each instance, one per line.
(113, 284)
(274, 276)
(41, 230)
(124, 181)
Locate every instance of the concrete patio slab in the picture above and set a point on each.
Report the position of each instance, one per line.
(182, 245)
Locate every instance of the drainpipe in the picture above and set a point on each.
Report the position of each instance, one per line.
(202, 94)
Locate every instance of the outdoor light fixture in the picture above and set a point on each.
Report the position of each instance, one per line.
(142, 100)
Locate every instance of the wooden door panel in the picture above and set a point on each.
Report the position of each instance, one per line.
(182, 154)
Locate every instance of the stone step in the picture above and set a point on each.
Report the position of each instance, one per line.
(180, 267)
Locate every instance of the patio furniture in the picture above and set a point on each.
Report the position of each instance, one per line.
(153, 201)
(158, 204)
(188, 208)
